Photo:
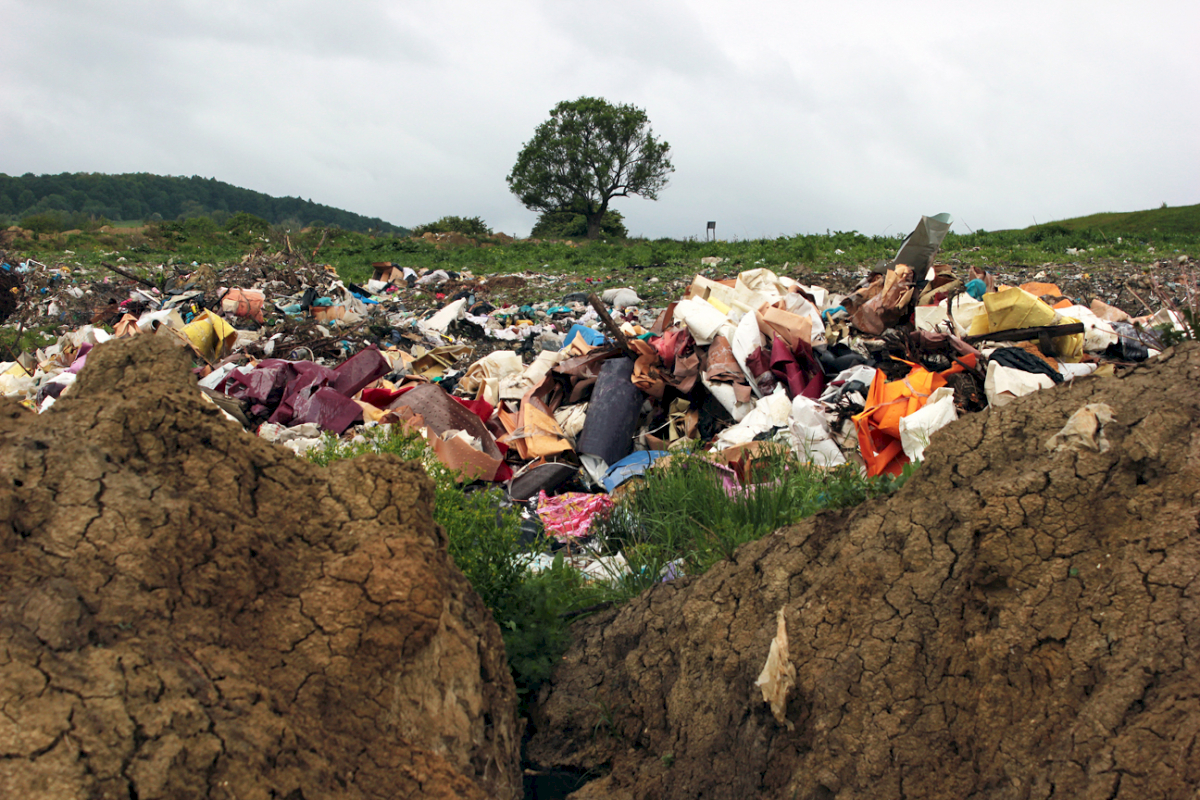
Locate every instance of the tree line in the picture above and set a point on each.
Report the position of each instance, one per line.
(143, 196)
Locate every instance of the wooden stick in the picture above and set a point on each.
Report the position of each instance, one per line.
(598, 304)
(129, 275)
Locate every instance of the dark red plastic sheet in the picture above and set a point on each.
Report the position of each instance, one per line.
(360, 370)
(328, 408)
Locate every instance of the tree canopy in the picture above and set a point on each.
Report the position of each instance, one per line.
(587, 153)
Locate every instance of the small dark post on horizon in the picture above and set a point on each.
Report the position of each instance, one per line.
(712, 226)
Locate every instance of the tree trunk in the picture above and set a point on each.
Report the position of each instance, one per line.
(593, 224)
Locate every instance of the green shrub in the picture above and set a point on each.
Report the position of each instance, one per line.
(467, 226)
(243, 225)
(42, 223)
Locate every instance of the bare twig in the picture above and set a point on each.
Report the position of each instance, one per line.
(324, 233)
(1138, 297)
(129, 275)
(1187, 315)
(15, 350)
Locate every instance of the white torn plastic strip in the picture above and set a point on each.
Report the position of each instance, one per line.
(778, 675)
(440, 321)
(1004, 384)
(917, 427)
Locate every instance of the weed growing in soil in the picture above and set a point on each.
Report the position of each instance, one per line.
(679, 519)
(685, 517)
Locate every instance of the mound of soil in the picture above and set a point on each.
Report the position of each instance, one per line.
(1015, 622)
(189, 611)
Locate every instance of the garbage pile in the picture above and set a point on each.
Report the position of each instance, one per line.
(566, 400)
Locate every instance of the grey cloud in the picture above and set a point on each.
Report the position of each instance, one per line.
(782, 117)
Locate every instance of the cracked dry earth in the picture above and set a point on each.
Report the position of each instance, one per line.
(1013, 623)
(187, 611)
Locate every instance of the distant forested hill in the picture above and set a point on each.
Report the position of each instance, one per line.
(142, 196)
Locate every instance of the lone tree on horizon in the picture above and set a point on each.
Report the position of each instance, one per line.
(587, 153)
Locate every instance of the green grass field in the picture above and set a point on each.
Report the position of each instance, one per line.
(1177, 220)
(1140, 237)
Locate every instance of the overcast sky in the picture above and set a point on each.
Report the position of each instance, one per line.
(783, 117)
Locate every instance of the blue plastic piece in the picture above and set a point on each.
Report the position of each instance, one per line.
(322, 301)
(976, 288)
(630, 466)
(829, 312)
(592, 337)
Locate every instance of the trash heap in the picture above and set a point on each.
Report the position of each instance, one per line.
(561, 402)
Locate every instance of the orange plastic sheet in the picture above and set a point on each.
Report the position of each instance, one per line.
(244, 303)
(1042, 289)
(878, 425)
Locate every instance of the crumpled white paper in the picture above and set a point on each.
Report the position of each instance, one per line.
(746, 340)
(767, 413)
